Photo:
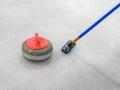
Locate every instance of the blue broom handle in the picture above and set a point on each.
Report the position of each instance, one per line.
(99, 20)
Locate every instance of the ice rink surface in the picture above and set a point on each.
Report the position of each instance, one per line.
(94, 64)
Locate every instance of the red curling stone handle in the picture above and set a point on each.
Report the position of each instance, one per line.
(36, 42)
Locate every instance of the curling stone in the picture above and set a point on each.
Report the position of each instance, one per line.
(37, 48)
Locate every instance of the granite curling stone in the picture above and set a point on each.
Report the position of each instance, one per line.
(37, 48)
